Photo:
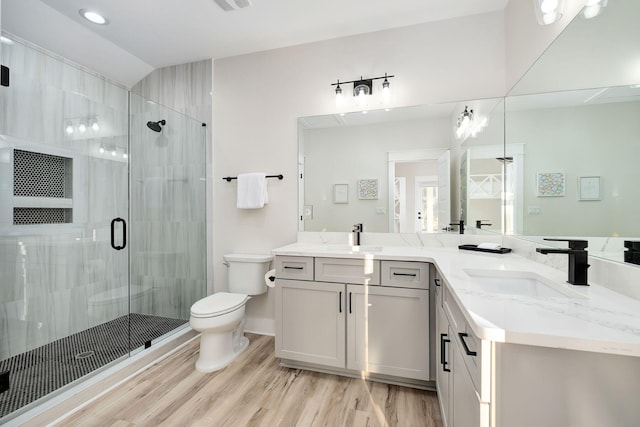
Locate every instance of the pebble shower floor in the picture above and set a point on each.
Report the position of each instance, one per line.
(40, 371)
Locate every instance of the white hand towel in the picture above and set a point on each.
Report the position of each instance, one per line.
(252, 190)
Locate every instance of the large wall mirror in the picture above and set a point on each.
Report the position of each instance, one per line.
(409, 170)
(573, 135)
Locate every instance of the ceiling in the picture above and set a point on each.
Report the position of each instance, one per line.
(143, 35)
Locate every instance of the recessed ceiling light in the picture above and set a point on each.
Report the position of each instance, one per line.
(93, 16)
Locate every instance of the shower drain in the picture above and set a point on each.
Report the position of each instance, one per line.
(85, 354)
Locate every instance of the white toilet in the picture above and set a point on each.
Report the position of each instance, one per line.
(220, 317)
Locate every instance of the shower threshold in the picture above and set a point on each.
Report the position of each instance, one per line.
(43, 370)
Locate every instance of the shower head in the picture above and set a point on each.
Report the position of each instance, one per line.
(156, 126)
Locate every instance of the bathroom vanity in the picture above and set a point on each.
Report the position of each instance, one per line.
(355, 314)
(510, 342)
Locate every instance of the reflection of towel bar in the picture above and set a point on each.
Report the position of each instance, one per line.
(229, 178)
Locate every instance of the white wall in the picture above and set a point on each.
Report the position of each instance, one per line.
(258, 97)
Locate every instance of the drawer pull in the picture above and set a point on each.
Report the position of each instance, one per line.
(464, 344)
(443, 352)
(293, 268)
(349, 302)
(405, 274)
(436, 281)
(340, 302)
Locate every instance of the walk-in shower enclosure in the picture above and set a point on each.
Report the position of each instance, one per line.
(102, 224)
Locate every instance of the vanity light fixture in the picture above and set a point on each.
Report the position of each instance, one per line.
(93, 16)
(548, 11)
(363, 89)
(593, 8)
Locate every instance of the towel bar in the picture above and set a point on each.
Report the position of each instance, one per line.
(229, 178)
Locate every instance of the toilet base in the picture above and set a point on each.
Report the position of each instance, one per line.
(218, 350)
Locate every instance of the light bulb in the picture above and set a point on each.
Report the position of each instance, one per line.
(386, 92)
(113, 152)
(95, 126)
(69, 129)
(101, 149)
(125, 156)
(339, 98)
(548, 6)
(82, 127)
(550, 18)
(362, 98)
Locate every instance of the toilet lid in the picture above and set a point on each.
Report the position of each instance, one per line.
(218, 304)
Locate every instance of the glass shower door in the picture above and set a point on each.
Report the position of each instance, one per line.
(168, 221)
(64, 263)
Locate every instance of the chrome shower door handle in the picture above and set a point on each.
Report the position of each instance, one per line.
(113, 234)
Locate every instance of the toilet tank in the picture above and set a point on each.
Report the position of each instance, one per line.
(246, 273)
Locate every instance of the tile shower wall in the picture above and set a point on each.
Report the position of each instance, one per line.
(168, 205)
(187, 89)
(59, 279)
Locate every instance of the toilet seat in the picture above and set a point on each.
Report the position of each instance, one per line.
(218, 304)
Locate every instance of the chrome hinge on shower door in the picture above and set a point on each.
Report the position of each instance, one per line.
(4, 75)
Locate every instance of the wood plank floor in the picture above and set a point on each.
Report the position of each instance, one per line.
(254, 391)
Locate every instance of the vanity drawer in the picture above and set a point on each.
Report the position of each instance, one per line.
(404, 274)
(476, 352)
(294, 267)
(348, 270)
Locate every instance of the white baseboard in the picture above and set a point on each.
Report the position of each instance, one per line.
(260, 326)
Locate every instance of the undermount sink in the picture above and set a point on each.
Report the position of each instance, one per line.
(522, 283)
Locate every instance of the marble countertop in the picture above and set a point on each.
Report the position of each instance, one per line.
(595, 319)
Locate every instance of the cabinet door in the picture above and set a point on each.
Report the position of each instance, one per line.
(466, 408)
(445, 364)
(310, 322)
(388, 331)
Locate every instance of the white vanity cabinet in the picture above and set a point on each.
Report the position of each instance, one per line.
(310, 322)
(388, 331)
(463, 369)
(357, 314)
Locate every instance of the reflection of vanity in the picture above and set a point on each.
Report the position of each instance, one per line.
(499, 358)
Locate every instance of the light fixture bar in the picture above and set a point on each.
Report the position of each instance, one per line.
(361, 79)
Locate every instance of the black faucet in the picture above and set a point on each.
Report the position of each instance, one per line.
(357, 229)
(578, 257)
(632, 254)
(479, 223)
(460, 225)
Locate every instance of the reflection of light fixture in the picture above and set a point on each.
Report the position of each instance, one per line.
(114, 152)
(464, 122)
(548, 11)
(125, 155)
(593, 8)
(6, 40)
(470, 124)
(101, 150)
(363, 89)
(93, 16)
(81, 125)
